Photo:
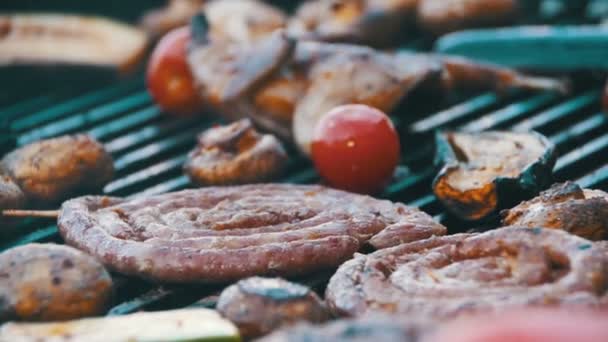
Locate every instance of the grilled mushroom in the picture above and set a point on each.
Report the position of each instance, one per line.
(484, 172)
(68, 39)
(243, 21)
(175, 14)
(11, 197)
(371, 22)
(564, 206)
(286, 86)
(235, 154)
(52, 170)
(44, 282)
(441, 16)
(260, 305)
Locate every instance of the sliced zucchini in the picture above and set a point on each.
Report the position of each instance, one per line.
(59, 39)
(485, 172)
(175, 326)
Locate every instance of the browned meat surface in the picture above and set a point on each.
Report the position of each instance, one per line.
(260, 305)
(379, 328)
(284, 85)
(47, 282)
(175, 14)
(442, 277)
(221, 234)
(564, 206)
(441, 16)
(50, 171)
(11, 197)
(235, 154)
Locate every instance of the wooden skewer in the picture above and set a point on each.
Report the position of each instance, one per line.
(31, 213)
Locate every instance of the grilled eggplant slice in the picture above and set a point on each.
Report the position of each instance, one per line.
(58, 39)
(52, 170)
(484, 172)
(565, 206)
(189, 325)
(47, 282)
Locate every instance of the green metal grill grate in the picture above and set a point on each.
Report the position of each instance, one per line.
(149, 149)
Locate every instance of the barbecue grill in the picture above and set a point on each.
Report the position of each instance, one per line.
(150, 148)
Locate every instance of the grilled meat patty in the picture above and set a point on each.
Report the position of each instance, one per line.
(260, 305)
(567, 207)
(51, 170)
(235, 154)
(48, 282)
(442, 277)
(221, 234)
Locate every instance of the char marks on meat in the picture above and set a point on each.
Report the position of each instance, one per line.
(564, 206)
(442, 277)
(221, 234)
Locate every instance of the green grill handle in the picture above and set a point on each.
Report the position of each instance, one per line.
(552, 48)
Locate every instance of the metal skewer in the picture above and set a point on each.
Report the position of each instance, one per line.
(31, 213)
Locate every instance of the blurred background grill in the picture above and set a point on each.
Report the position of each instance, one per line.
(149, 147)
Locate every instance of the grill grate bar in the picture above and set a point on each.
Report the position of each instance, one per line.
(458, 112)
(73, 104)
(148, 152)
(560, 112)
(580, 130)
(122, 185)
(147, 134)
(510, 113)
(126, 124)
(87, 119)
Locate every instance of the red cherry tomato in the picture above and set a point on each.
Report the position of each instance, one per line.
(356, 148)
(168, 76)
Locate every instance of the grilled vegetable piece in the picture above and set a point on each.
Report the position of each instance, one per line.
(564, 206)
(484, 172)
(175, 14)
(45, 282)
(235, 154)
(441, 16)
(260, 305)
(286, 86)
(372, 22)
(11, 197)
(69, 39)
(243, 21)
(202, 325)
(52, 170)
